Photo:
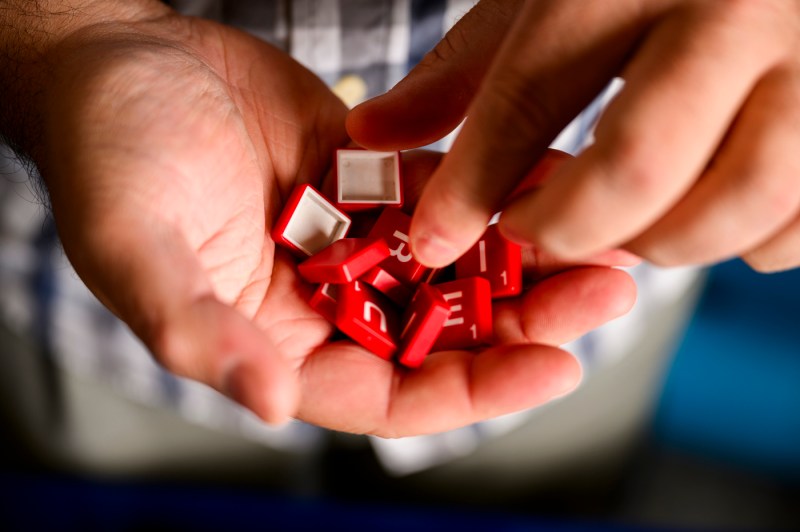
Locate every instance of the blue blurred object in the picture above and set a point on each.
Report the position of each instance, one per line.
(53, 503)
(733, 392)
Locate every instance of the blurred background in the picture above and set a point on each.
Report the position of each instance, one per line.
(694, 425)
(714, 444)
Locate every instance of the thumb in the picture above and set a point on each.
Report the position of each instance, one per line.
(151, 278)
(433, 98)
(211, 342)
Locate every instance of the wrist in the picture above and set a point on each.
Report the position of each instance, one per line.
(31, 32)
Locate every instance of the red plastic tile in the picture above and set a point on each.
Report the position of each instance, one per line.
(344, 261)
(368, 179)
(387, 284)
(309, 223)
(323, 300)
(495, 259)
(470, 321)
(393, 225)
(422, 323)
(368, 318)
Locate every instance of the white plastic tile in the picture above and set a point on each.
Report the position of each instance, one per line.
(315, 223)
(368, 177)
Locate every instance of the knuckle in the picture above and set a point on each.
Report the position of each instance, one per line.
(774, 20)
(494, 12)
(447, 50)
(780, 199)
(631, 167)
(460, 45)
(529, 112)
(770, 191)
(453, 43)
(645, 181)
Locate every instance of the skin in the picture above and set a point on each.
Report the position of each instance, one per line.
(695, 161)
(168, 146)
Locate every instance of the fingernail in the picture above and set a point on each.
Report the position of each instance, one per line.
(433, 251)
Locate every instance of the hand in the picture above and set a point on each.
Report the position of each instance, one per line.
(694, 161)
(169, 148)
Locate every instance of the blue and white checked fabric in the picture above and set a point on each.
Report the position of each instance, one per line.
(376, 42)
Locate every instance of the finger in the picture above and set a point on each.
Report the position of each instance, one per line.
(749, 193)
(450, 390)
(433, 98)
(538, 264)
(150, 277)
(543, 75)
(543, 170)
(419, 166)
(547, 313)
(683, 89)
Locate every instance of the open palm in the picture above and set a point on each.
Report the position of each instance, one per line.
(170, 147)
